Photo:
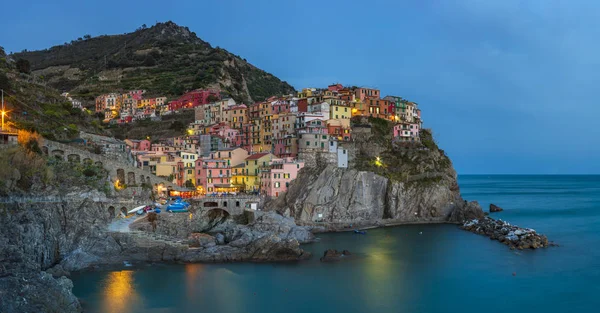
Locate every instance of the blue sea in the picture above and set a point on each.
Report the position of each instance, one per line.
(398, 269)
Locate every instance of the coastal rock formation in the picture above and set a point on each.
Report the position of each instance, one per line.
(35, 237)
(224, 229)
(494, 208)
(336, 195)
(334, 255)
(72, 235)
(411, 185)
(513, 236)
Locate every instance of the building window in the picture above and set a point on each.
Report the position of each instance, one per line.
(277, 185)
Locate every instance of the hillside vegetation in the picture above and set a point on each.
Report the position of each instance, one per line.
(165, 59)
(172, 125)
(40, 108)
(422, 162)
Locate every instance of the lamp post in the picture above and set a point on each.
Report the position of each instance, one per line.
(3, 113)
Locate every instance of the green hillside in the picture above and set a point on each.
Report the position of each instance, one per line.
(165, 59)
(31, 105)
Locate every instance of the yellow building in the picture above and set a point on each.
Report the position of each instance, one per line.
(358, 108)
(340, 112)
(189, 164)
(166, 169)
(252, 170)
(235, 156)
(238, 176)
(306, 92)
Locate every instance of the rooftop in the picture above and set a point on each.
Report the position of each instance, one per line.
(257, 156)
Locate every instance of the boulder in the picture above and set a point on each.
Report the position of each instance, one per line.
(494, 208)
(58, 271)
(466, 211)
(201, 240)
(333, 255)
(220, 239)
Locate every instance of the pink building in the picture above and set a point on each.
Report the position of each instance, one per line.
(281, 106)
(138, 145)
(407, 132)
(286, 147)
(366, 93)
(137, 94)
(223, 130)
(213, 175)
(336, 87)
(276, 179)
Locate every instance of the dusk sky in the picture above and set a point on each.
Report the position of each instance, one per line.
(508, 87)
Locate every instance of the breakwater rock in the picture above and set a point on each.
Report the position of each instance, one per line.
(513, 236)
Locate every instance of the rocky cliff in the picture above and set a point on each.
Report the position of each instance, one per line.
(41, 242)
(386, 183)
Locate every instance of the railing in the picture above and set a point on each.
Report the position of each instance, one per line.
(241, 196)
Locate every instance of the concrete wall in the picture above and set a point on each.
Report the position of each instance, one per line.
(234, 205)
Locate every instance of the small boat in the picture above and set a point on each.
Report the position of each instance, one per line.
(157, 210)
(127, 264)
(361, 232)
(176, 209)
(140, 211)
(178, 206)
(135, 209)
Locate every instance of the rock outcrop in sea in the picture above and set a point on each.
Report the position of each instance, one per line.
(494, 208)
(331, 255)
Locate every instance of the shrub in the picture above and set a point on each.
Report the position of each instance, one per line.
(4, 82)
(88, 172)
(31, 141)
(23, 66)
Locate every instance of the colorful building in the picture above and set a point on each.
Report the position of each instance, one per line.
(194, 98)
(277, 176)
(213, 175)
(407, 132)
(252, 170)
(366, 93)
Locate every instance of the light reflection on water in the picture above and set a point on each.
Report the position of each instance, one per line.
(119, 292)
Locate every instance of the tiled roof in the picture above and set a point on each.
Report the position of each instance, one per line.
(256, 156)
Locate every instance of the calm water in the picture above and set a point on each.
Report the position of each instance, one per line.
(396, 269)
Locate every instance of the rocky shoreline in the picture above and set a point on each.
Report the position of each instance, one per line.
(513, 236)
(41, 244)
